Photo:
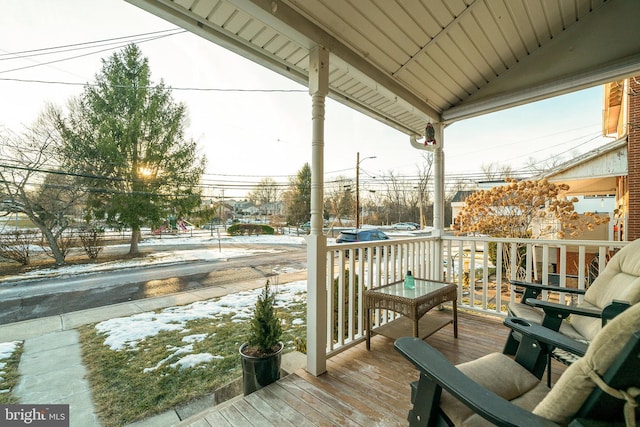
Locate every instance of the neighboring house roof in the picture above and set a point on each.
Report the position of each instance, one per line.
(593, 173)
(462, 195)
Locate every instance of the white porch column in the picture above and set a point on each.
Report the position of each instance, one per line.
(438, 190)
(316, 241)
(438, 181)
(438, 197)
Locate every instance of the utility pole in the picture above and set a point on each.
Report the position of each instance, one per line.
(358, 186)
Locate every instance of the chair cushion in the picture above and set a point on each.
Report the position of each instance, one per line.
(620, 280)
(574, 386)
(519, 386)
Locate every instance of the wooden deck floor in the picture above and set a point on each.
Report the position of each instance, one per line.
(360, 388)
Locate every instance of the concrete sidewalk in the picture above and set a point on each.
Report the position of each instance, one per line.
(51, 369)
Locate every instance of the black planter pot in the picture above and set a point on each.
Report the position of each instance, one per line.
(258, 372)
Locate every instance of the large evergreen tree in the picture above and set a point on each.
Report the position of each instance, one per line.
(126, 136)
(299, 210)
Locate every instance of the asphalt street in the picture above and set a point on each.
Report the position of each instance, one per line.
(24, 300)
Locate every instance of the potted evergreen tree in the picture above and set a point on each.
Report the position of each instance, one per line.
(261, 354)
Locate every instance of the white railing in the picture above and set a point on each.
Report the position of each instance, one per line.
(470, 262)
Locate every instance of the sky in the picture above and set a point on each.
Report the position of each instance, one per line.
(247, 135)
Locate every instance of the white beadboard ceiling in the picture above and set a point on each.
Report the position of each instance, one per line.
(409, 62)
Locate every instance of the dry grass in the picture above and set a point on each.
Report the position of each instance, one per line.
(9, 375)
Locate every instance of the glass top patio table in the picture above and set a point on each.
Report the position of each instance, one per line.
(423, 287)
(413, 304)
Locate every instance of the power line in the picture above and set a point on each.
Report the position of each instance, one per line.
(85, 54)
(63, 48)
(193, 89)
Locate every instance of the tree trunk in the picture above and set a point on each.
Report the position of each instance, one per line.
(516, 264)
(53, 245)
(135, 238)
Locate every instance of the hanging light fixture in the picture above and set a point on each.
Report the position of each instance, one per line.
(429, 135)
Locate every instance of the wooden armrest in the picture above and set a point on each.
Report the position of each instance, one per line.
(545, 335)
(533, 290)
(612, 310)
(550, 288)
(436, 368)
(561, 310)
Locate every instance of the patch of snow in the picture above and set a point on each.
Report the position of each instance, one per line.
(7, 349)
(126, 332)
(194, 338)
(193, 360)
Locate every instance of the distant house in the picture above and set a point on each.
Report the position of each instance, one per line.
(457, 203)
(596, 178)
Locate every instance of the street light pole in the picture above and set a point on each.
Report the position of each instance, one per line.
(358, 161)
(357, 190)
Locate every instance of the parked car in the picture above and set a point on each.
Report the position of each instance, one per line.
(404, 226)
(350, 236)
(367, 235)
(307, 225)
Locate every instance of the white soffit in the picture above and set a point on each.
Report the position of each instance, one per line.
(408, 62)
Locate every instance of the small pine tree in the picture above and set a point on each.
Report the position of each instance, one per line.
(265, 330)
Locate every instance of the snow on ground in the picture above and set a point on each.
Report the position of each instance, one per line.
(6, 350)
(126, 332)
(170, 257)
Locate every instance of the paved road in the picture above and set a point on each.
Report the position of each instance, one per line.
(25, 300)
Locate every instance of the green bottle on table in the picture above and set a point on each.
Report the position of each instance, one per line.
(409, 281)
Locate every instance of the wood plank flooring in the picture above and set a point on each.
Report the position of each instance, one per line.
(360, 387)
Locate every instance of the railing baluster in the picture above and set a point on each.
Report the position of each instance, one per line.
(563, 273)
(499, 247)
(485, 274)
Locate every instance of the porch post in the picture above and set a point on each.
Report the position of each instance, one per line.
(316, 241)
(438, 181)
(438, 192)
(438, 198)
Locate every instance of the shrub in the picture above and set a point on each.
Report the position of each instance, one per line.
(249, 229)
(16, 245)
(92, 238)
(265, 331)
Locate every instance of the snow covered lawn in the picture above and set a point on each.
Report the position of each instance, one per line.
(149, 362)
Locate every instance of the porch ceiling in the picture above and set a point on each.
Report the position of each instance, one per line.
(408, 62)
